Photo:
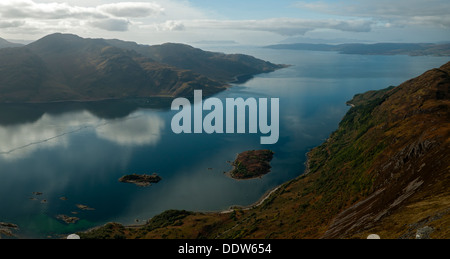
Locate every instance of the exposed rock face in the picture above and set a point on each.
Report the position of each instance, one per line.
(68, 219)
(7, 229)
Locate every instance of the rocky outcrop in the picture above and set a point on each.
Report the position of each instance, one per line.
(7, 229)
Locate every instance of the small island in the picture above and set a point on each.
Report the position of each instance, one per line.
(140, 180)
(67, 219)
(251, 164)
(7, 229)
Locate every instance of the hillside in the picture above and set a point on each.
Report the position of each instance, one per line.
(65, 67)
(384, 171)
(6, 44)
(411, 49)
(222, 67)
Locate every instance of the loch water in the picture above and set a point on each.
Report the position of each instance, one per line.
(54, 157)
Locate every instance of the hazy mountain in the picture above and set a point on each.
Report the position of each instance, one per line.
(6, 44)
(412, 49)
(384, 171)
(62, 67)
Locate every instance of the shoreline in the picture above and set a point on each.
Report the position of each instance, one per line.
(254, 205)
(231, 208)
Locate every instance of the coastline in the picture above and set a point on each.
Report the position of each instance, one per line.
(256, 204)
(231, 208)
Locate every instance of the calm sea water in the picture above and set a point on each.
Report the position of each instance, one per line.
(80, 151)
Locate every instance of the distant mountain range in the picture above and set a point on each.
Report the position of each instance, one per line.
(66, 67)
(384, 171)
(412, 49)
(6, 44)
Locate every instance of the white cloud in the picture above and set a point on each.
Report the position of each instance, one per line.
(398, 12)
(16, 9)
(111, 24)
(131, 9)
(109, 17)
(170, 26)
(281, 26)
(186, 20)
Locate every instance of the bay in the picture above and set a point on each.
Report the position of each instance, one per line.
(54, 157)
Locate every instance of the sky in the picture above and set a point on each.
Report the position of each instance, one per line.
(249, 22)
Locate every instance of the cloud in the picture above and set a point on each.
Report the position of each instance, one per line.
(281, 26)
(112, 24)
(131, 9)
(170, 26)
(11, 24)
(110, 17)
(28, 9)
(399, 12)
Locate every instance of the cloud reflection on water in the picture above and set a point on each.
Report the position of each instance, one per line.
(50, 131)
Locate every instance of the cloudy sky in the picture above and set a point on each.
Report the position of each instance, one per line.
(256, 22)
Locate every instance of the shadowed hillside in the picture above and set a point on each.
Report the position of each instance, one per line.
(6, 44)
(64, 67)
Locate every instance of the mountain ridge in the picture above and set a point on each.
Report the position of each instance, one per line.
(66, 67)
(7, 44)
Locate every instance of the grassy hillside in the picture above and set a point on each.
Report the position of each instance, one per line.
(385, 170)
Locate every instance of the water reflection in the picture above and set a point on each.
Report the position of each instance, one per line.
(19, 138)
(14, 114)
(138, 130)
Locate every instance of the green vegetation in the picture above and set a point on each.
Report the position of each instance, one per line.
(109, 231)
(167, 218)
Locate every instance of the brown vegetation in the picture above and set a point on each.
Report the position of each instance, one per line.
(384, 171)
(252, 164)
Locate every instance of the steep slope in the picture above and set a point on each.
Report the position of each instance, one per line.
(384, 171)
(21, 74)
(63, 67)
